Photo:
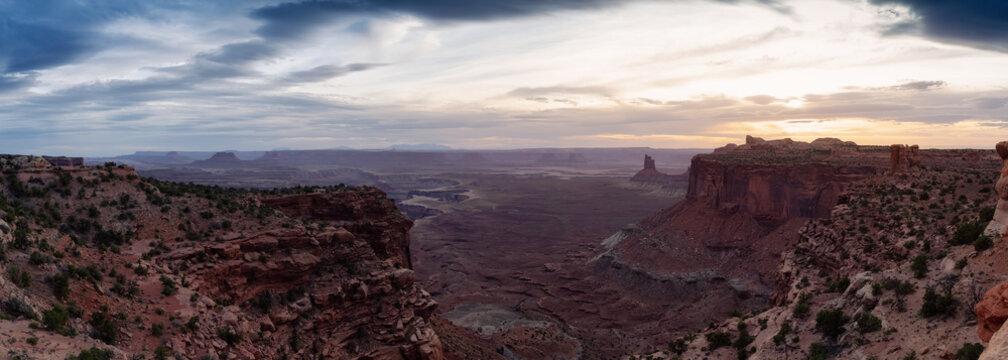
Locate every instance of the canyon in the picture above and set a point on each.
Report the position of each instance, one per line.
(522, 254)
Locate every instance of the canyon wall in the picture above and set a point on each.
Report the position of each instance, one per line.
(718, 250)
(772, 192)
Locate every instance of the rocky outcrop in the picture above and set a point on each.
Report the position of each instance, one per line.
(903, 158)
(999, 223)
(992, 311)
(772, 192)
(719, 249)
(379, 223)
(321, 273)
(997, 348)
(650, 175)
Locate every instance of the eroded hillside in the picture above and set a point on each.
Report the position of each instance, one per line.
(98, 261)
(892, 271)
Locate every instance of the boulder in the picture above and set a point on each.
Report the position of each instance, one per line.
(992, 311)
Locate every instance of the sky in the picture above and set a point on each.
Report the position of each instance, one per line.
(100, 78)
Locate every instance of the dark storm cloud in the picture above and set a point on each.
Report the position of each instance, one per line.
(326, 72)
(293, 19)
(36, 35)
(976, 23)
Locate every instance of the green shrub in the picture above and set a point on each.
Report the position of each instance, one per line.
(32, 341)
(104, 329)
(93, 354)
(867, 323)
(919, 266)
(16, 308)
(169, 288)
(987, 212)
(831, 322)
(19, 277)
(37, 258)
(983, 243)
(157, 329)
(817, 351)
(782, 333)
(967, 232)
(162, 353)
(61, 286)
(55, 319)
(718, 339)
(743, 341)
(935, 304)
(801, 309)
(231, 337)
(970, 351)
(840, 285)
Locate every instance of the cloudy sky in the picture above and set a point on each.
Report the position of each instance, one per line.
(113, 77)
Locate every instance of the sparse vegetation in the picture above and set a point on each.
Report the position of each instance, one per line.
(935, 304)
(970, 351)
(919, 266)
(104, 329)
(868, 323)
(93, 354)
(718, 339)
(831, 322)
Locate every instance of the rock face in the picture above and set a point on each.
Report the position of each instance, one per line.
(771, 192)
(379, 223)
(999, 223)
(992, 311)
(718, 250)
(902, 158)
(997, 348)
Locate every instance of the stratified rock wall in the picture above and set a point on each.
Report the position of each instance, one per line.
(772, 192)
(999, 223)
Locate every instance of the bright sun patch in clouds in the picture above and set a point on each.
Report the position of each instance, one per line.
(637, 73)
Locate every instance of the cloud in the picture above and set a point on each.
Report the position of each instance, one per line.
(905, 86)
(241, 52)
(293, 19)
(990, 102)
(701, 102)
(290, 20)
(10, 82)
(760, 99)
(976, 23)
(326, 72)
(525, 92)
(36, 35)
(919, 85)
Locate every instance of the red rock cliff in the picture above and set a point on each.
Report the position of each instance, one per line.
(771, 192)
